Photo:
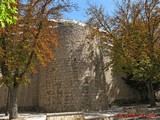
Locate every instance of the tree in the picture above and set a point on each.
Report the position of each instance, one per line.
(133, 35)
(8, 12)
(28, 43)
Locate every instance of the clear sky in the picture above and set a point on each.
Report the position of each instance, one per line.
(82, 4)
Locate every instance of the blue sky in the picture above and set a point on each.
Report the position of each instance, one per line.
(82, 4)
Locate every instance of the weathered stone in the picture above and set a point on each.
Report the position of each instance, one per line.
(66, 116)
(76, 81)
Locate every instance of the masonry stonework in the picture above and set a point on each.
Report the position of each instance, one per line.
(76, 80)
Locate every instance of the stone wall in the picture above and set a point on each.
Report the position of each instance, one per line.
(27, 96)
(3, 97)
(117, 89)
(76, 80)
(65, 116)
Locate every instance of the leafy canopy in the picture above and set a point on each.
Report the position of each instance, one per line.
(132, 35)
(8, 12)
(31, 41)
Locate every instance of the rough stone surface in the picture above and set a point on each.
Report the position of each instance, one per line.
(69, 117)
(76, 81)
(66, 116)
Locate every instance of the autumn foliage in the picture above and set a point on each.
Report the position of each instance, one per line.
(28, 43)
(132, 37)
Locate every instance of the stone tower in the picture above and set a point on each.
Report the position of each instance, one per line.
(76, 80)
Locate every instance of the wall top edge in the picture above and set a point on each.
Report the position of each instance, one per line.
(68, 21)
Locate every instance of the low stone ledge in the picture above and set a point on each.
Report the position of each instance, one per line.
(65, 116)
(100, 118)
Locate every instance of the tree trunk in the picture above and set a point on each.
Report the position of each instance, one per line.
(7, 104)
(13, 108)
(151, 93)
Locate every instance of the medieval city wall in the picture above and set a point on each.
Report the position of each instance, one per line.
(76, 80)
